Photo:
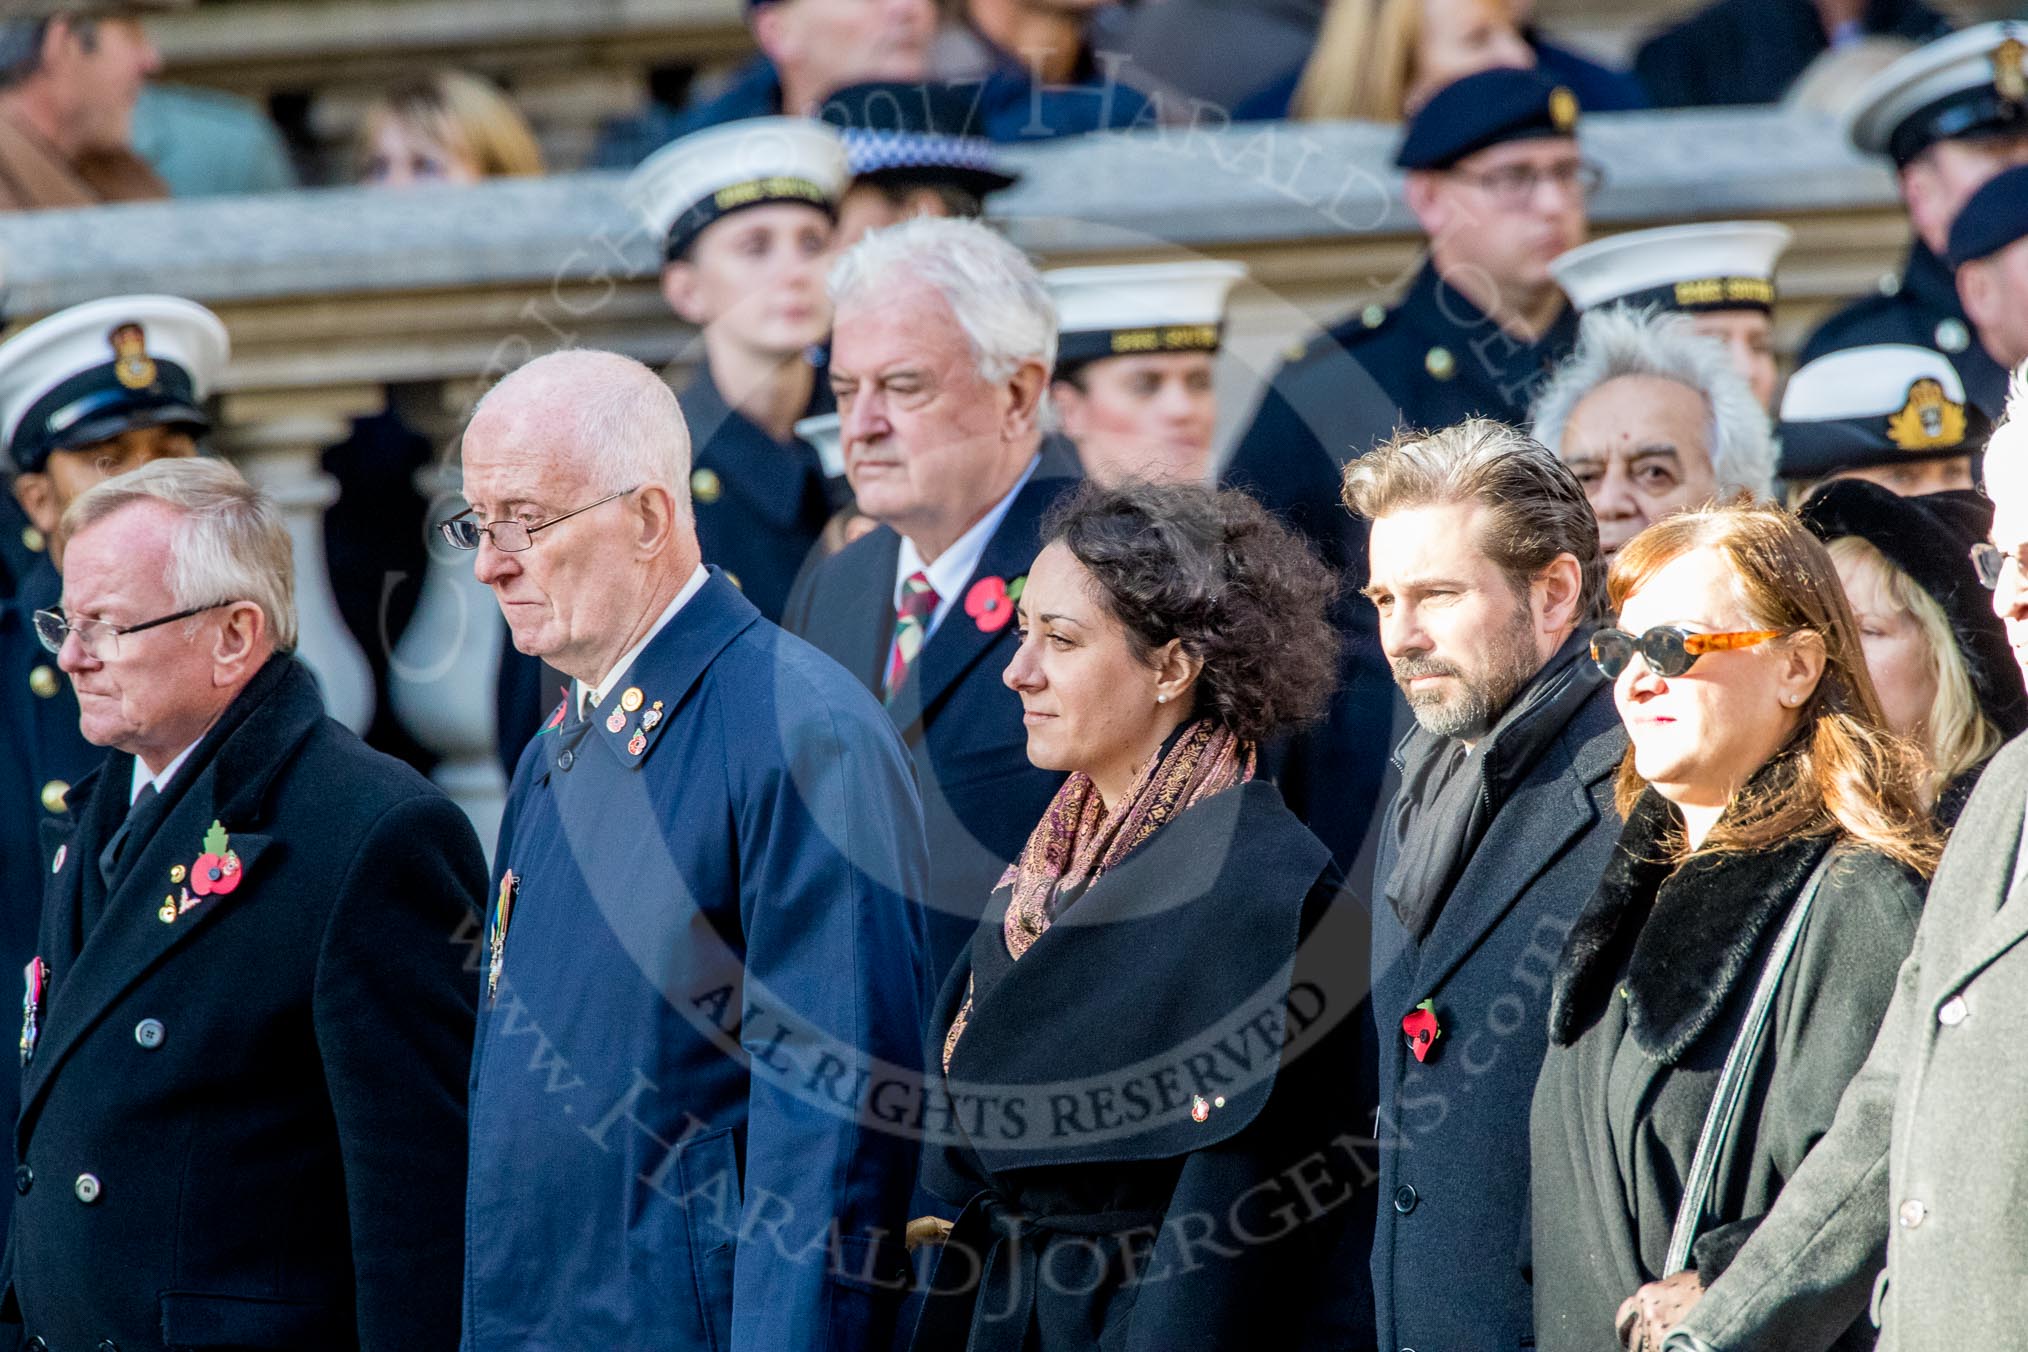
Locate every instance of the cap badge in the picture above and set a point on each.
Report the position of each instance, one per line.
(132, 366)
(1928, 421)
(2010, 75)
(1563, 108)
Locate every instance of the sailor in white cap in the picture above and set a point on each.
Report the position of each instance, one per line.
(1951, 114)
(93, 391)
(746, 212)
(1892, 413)
(1719, 273)
(1133, 383)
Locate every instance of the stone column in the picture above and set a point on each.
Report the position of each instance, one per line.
(276, 440)
(444, 673)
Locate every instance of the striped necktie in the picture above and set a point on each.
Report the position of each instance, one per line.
(911, 627)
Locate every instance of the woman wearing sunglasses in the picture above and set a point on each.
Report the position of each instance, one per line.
(1725, 981)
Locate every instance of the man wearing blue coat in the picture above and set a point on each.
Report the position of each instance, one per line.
(702, 975)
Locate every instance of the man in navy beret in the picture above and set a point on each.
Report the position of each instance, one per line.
(1989, 250)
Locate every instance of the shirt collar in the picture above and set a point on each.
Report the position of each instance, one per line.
(142, 779)
(955, 566)
(619, 669)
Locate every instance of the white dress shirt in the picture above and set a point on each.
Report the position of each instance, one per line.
(599, 692)
(142, 778)
(954, 567)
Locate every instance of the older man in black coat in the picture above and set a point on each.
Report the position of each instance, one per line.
(1487, 577)
(246, 1028)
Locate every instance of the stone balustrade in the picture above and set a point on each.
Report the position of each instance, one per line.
(334, 296)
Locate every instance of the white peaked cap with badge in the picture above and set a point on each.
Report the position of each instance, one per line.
(689, 183)
(1964, 83)
(1715, 265)
(95, 370)
(1140, 309)
(1866, 382)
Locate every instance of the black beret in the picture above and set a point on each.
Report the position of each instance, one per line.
(1930, 538)
(1995, 217)
(1484, 110)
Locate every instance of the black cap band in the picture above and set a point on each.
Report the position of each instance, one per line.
(1810, 450)
(1980, 111)
(1706, 293)
(733, 197)
(1077, 349)
(95, 406)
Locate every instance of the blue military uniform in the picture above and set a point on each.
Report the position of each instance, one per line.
(701, 1010)
(1969, 86)
(761, 504)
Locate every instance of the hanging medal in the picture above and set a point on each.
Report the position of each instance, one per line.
(36, 975)
(503, 911)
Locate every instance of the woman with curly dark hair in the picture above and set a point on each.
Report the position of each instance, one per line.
(1146, 1045)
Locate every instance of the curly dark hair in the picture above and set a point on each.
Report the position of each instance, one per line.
(1242, 592)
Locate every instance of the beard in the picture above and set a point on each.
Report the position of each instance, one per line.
(1469, 708)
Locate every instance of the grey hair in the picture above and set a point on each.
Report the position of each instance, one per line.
(1619, 340)
(2009, 442)
(230, 544)
(994, 292)
(622, 422)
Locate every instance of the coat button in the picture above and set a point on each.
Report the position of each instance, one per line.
(86, 1188)
(149, 1033)
(108, 1345)
(1912, 1213)
(35, 1345)
(1953, 1012)
(24, 1179)
(43, 681)
(1405, 1199)
(566, 759)
(53, 795)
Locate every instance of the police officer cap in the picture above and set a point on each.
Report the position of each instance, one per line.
(1968, 84)
(1995, 217)
(906, 133)
(1139, 310)
(91, 372)
(1484, 110)
(1723, 265)
(1888, 404)
(688, 184)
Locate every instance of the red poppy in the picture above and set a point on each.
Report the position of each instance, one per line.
(215, 874)
(989, 605)
(1419, 1025)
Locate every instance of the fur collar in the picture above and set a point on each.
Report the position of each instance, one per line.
(1679, 939)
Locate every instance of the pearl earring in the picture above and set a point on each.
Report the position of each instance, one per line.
(1161, 699)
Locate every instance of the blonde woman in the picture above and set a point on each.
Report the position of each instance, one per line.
(1938, 655)
(1724, 983)
(448, 127)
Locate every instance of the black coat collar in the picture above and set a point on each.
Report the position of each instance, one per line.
(782, 483)
(1680, 940)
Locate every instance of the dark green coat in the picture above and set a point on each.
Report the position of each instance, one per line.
(1647, 1001)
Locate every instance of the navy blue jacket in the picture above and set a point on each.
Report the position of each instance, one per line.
(1923, 310)
(1450, 1245)
(1751, 51)
(760, 504)
(245, 1126)
(45, 750)
(709, 1005)
(981, 796)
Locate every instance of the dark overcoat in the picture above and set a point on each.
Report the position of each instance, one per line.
(1149, 1129)
(711, 984)
(244, 1125)
(1919, 307)
(1453, 1128)
(1648, 1000)
(962, 724)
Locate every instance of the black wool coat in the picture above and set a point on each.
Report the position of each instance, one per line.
(244, 1126)
(1147, 1121)
(1648, 1000)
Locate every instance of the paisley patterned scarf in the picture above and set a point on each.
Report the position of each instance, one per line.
(1077, 840)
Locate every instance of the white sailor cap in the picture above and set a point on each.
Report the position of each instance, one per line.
(689, 183)
(824, 435)
(1716, 265)
(1967, 84)
(1887, 404)
(1140, 309)
(96, 370)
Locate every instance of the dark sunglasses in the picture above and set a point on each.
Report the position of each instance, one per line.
(1667, 650)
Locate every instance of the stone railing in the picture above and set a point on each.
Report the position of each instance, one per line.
(333, 297)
